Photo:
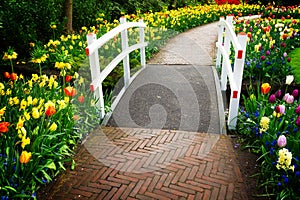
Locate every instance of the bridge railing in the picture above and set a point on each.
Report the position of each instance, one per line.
(226, 39)
(98, 76)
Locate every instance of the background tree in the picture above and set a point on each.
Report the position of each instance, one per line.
(68, 13)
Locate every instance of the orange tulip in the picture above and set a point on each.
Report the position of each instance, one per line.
(265, 88)
(50, 111)
(6, 75)
(4, 127)
(25, 157)
(70, 91)
(81, 99)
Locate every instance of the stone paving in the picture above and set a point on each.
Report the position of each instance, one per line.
(148, 163)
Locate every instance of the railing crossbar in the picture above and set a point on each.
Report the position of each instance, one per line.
(111, 34)
(227, 64)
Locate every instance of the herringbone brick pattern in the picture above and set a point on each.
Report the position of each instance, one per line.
(125, 163)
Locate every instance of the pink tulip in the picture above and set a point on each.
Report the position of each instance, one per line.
(288, 98)
(281, 142)
(280, 109)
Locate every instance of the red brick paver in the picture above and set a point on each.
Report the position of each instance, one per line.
(126, 163)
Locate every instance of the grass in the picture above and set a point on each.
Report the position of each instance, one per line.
(295, 62)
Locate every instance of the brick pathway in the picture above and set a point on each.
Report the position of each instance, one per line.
(151, 164)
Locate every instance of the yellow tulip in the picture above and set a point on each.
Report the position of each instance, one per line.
(35, 113)
(53, 127)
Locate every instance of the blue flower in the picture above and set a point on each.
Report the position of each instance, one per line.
(272, 151)
(247, 115)
(256, 114)
(286, 180)
(279, 184)
(33, 195)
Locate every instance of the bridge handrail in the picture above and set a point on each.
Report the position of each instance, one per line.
(226, 37)
(98, 76)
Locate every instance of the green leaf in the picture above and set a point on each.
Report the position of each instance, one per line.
(51, 165)
(73, 165)
(36, 131)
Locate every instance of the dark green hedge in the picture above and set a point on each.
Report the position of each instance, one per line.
(22, 21)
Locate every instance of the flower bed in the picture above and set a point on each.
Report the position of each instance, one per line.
(269, 117)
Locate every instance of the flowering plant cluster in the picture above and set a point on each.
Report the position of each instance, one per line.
(270, 42)
(221, 2)
(270, 121)
(40, 124)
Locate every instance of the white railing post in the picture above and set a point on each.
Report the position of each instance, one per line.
(142, 49)
(238, 77)
(220, 41)
(227, 44)
(96, 87)
(126, 67)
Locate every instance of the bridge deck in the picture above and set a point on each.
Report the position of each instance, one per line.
(174, 97)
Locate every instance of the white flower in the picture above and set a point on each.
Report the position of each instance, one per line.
(289, 79)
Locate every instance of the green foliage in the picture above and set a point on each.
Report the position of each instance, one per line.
(28, 21)
(295, 62)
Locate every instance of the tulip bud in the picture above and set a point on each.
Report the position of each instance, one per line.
(281, 142)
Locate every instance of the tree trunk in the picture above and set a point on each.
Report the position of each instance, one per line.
(68, 12)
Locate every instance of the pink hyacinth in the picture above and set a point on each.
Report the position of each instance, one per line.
(281, 142)
(288, 98)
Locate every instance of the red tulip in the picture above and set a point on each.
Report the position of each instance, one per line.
(68, 78)
(50, 111)
(13, 76)
(4, 127)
